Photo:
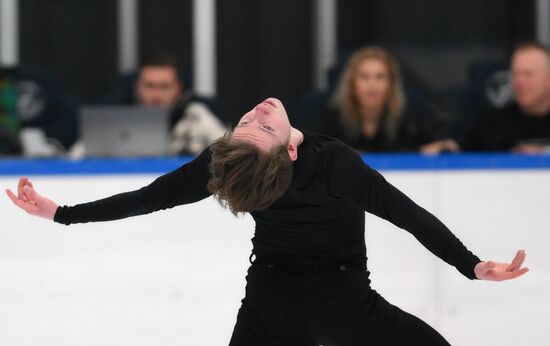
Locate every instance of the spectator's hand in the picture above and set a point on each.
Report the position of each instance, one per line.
(30, 201)
(494, 271)
(437, 147)
(529, 148)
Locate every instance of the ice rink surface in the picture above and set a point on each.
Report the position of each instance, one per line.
(176, 277)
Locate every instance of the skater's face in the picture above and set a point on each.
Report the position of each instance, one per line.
(265, 126)
(372, 83)
(531, 78)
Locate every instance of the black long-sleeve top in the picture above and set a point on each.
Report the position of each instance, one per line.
(413, 130)
(502, 130)
(321, 215)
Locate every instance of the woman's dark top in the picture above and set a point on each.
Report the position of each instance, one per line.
(321, 216)
(412, 131)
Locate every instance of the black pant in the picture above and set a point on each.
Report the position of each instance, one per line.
(329, 305)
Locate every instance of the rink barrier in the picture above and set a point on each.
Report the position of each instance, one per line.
(385, 162)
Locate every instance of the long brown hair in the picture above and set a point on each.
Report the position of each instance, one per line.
(348, 104)
(244, 178)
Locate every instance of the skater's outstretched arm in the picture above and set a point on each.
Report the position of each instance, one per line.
(350, 178)
(187, 184)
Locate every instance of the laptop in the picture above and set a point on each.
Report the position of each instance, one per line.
(124, 131)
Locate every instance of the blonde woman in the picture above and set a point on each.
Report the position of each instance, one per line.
(370, 113)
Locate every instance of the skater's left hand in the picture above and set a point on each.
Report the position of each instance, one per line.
(501, 271)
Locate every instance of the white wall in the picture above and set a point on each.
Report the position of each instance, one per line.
(176, 277)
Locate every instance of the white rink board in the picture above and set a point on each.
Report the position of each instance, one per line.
(176, 277)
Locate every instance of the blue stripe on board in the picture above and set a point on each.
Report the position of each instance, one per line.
(491, 161)
(468, 161)
(90, 166)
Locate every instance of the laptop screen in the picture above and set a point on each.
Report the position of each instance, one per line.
(124, 131)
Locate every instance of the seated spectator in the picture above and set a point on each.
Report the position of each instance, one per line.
(193, 126)
(524, 126)
(369, 110)
(9, 122)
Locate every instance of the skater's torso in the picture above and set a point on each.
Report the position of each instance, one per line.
(309, 220)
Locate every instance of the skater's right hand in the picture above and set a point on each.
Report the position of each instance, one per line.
(30, 201)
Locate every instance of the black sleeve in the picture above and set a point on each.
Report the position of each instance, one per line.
(187, 184)
(350, 178)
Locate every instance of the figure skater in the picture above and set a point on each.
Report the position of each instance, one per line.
(308, 283)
